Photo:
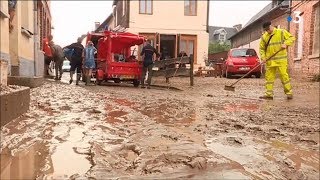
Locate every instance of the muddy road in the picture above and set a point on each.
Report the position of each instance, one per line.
(202, 132)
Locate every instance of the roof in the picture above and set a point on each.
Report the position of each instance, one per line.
(266, 10)
(212, 29)
(105, 22)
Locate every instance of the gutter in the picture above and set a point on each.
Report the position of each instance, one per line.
(290, 10)
(208, 9)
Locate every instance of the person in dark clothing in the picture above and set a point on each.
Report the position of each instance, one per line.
(147, 52)
(76, 60)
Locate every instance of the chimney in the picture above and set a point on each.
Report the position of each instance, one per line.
(238, 27)
(96, 25)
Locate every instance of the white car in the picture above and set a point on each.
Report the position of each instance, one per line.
(66, 66)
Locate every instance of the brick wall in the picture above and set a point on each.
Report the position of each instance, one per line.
(281, 21)
(308, 64)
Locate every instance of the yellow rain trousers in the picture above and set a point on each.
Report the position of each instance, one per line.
(279, 62)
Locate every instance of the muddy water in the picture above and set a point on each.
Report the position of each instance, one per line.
(122, 132)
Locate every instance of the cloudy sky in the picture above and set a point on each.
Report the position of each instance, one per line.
(73, 18)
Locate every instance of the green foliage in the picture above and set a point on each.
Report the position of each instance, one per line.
(218, 47)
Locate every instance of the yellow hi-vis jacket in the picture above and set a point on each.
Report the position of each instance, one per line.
(280, 36)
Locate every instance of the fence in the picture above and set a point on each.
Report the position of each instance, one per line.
(168, 68)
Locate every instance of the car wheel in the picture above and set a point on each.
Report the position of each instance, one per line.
(98, 82)
(228, 74)
(258, 75)
(136, 83)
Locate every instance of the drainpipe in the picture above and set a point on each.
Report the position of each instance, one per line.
(35, 36)
(289, 14)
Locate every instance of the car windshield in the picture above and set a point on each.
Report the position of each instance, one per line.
(66, 63)
(243, 52)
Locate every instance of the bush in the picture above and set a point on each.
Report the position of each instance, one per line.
(217, 47)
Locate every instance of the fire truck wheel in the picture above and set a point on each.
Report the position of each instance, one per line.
(117, 81)
(99, 82)
(136, 83)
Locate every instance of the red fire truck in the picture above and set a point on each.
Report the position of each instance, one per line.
(115, 60)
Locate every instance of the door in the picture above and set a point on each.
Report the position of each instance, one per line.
(168, 46)
(188, 44)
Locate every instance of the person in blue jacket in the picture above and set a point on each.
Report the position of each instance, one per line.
(88, 61)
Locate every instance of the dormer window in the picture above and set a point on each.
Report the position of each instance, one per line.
(222, 37)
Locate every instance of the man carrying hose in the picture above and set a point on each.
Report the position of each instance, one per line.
(275, 41)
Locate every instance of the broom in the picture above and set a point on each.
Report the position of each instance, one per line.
(232, 88)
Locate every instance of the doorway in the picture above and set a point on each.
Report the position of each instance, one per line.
(188, 44)
(167, 46)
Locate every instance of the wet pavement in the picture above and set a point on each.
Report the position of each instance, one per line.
(202, 132)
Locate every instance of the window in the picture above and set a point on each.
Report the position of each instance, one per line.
(243, 53)
(190, 7)
(222, 37)
(145, 6)
(315, 38)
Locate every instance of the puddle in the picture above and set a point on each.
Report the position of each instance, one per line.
(240, 107)
(123, 102)
(66, 161)
(116, 116)
(262, 159)
(168, 114)
(233, 107)
(25, 164)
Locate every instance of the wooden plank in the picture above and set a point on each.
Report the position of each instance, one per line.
(172, 72)
(177, 72)
(163, 63)
(191, 70)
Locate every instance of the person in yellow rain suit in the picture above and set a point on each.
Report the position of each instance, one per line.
(272, 41)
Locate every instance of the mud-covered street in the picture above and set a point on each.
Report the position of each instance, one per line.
(202, 132)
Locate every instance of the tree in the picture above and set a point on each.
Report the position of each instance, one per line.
(218, 47)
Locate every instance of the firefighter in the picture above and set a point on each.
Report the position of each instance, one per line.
(273, 40)
(147, 52)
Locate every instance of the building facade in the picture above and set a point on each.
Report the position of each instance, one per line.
(304, 57)
(249, 36)
(172, 26)
(23, 25)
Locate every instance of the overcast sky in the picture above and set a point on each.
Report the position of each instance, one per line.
(74, 18)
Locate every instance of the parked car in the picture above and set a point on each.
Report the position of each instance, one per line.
(241, 61)
(66, 66)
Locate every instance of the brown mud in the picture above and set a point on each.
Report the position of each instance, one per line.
(203, 132)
